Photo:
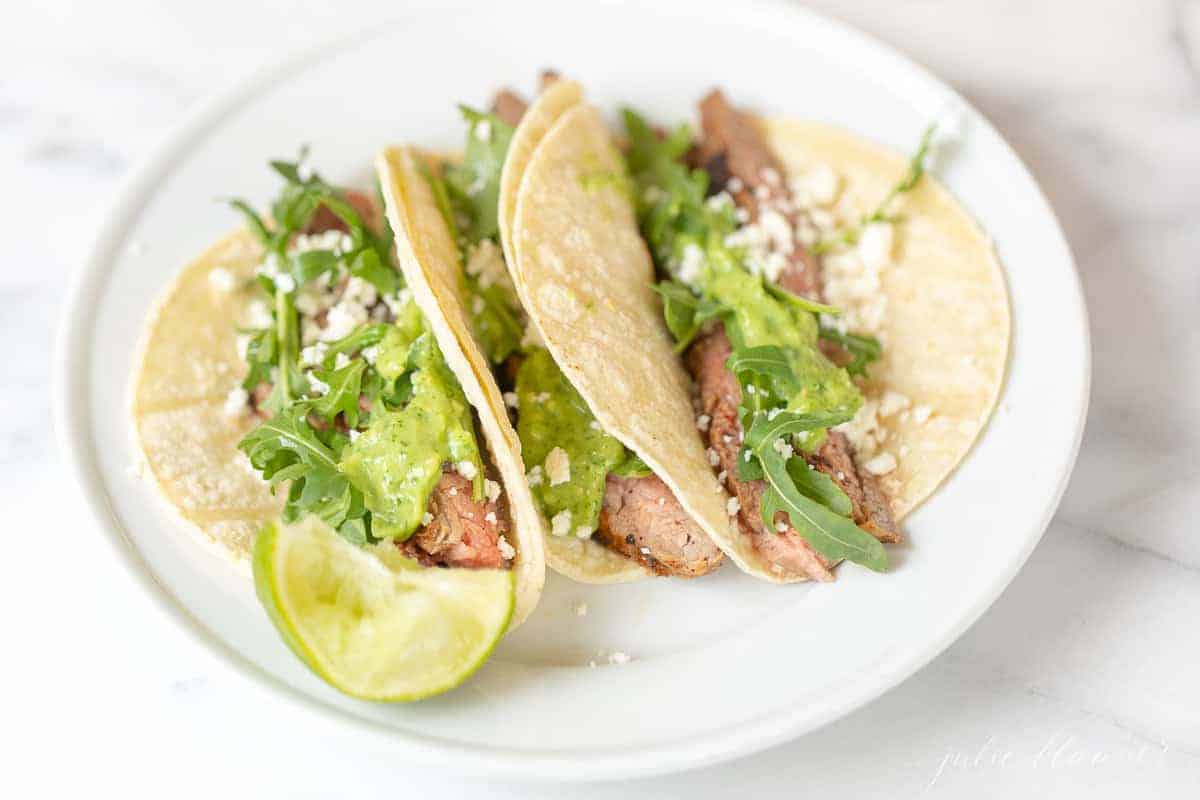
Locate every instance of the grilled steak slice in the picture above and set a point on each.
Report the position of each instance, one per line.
(463, 532)
(739, 161)
(325, 220)
(642, 520)
(719, 398)
(509, 106)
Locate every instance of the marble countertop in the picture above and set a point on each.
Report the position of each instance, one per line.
(1080, 681)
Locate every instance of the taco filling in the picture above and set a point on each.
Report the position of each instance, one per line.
(744, 301)
(360, 414)
(587, 484)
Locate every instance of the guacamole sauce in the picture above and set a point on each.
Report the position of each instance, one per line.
(397, 460)
(553, 415)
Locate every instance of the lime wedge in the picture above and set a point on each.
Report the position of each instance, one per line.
(372, 623)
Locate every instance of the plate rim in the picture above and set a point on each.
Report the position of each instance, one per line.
(72, 417)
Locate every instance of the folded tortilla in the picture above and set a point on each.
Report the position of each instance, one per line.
(188, 365)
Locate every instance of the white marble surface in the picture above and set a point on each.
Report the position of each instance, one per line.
(1080, 681)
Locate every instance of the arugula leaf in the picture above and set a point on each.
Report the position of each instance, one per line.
(912, 176)
(253, 222)
(345, 386)
(311, 264)
(766, 428)
(260, 358)
(631, 467)
(474, 185)
(355, 342)
(496, 324)
(819, 486)
(684, 312)
(368, 265)
(864, 350)
(769, 361)
(803, 303)
(286, 448)
(830, 534)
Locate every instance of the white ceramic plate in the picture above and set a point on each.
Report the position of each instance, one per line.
(721, 667)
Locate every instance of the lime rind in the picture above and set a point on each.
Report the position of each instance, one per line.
(376, 625)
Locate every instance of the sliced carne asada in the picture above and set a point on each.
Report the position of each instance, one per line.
(720, 395)
(738, 160)
(463, 532)
(642, 520)
(509, 106)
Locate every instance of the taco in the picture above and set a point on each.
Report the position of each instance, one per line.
(290, 356)
(618, 504)
(843, 319)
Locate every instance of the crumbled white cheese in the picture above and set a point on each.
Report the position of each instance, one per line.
(922, 413)
(875, 245)
(732, 506)
(259, 315)
(714, 457)
(558, 466)
(236, 402)
(317, 385)
(816, 186)
(595, 425)
(722, 475)
(583, 532)
(453, 492)
(881, 464)
(561, 524)
(242, 343)
(892, 402)
(734, 185)
(856, 289)
(531, 338)
(783, 448)
(285, 283)
(773, 413)
(466, 469)
(719, 201)
(354, 434)
(864, 431)
(370, 353)
(770, 175)
(644, 550)
(340, 360)
(781, 527)
(490, 517)
(337, 241)
(691, 265)
(703, 421)
(510, 399)
(507, 551)
(313, 355)
(477, 305)
(426, 518)
(767, 242)
(535, 476)
(491, 490)
(361, 292)
(221, 279)
(483, 130)
(342, 319)
(485, 262)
